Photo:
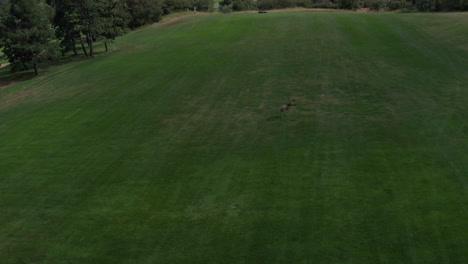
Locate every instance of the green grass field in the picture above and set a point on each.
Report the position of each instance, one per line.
(171, 149)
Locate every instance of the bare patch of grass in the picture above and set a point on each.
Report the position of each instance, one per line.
(177, 18)
(4, 65)
(15, 97)
(5, 84)
(130, 48)
(171, 22)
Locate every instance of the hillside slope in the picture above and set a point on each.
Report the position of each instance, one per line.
(171, 149)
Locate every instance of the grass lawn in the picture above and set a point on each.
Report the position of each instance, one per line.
(171, 149)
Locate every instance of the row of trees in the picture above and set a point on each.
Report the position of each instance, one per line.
(408, 5)
(32, 31)
(170, 6)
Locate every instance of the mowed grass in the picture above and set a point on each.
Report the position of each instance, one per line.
(171, 149)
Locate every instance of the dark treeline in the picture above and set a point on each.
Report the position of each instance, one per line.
(404, 5)
(32, 31)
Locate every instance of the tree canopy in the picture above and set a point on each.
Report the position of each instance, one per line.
(405, 5)
(27, 36)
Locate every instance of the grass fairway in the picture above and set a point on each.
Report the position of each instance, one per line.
(171, 149)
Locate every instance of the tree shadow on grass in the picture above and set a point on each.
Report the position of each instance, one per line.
(45, 66)
(7, 77)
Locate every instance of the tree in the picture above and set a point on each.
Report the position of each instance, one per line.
(27, 36)
(241, 5)
(4, 7)
(348, 4)
(265, 4)
(143, 12)
(76, 19)
(170, 6)
(67, 25)
(203, 5)
(113, 24)
(90, 23)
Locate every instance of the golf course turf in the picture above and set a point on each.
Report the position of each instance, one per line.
(171, 148)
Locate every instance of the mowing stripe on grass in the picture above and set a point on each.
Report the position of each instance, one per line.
(171, 149)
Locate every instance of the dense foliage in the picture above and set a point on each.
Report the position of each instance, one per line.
(170, 6)
(140, 12)
(26, 35)
(411, 5)
(34, 30)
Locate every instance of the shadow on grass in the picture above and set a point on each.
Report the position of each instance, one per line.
(8, 77)
(44, 67)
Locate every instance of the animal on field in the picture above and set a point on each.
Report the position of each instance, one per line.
(285, 107)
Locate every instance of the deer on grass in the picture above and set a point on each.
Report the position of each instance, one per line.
(285, 107)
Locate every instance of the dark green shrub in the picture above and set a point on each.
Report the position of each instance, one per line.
(241, 5)
(397, 5)
(348, 4)
(328, 5)
(203, 5)
(225, 9)
(409, 7)
(424, 5)
(374, 5)
(265, 4)
(143, 12)
(170, 6)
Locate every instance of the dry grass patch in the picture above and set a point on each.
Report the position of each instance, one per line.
(15, 97)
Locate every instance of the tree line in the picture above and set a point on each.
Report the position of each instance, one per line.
(403, 5)
(33, 31)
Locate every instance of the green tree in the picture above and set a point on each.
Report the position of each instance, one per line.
(4, 7)
(75, 19)
(27, 36)
(143, 12)
(89, 21)
(203, 5)
(241, 5)
(113, 23)
(67, 24)
(348, 4)
(265, 4)
(170, 6)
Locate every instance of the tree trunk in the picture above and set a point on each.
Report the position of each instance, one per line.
(36, 71)
(105, 45)
(83, 47)
(91, 49)
(74, 47)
